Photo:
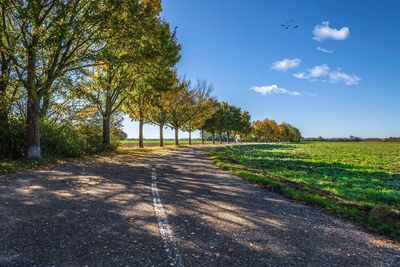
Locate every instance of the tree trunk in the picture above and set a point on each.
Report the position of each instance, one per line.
(33, 105)
(220, 138)
(161, 135)
(176, 136)
(227, 137)
(106, 129)
(190, 138)
(213, 137)
(33, 138)
(141, 145)
(46, 104)
(202, 136)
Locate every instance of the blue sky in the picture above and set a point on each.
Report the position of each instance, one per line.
(353, 88)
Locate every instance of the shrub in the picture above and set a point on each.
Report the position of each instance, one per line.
(68, 140)
(57, 140)
(61, 140)
(92, 136)
(12, 138)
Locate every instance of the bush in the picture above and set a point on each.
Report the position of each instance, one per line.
(57, 140)
(61, 140)
(66, 140)
(12, 138)
(93, 138)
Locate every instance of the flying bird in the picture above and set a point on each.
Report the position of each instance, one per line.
(288, 25)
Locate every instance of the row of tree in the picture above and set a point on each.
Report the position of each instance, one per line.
(189, 107)
(182, 107)
(269, 131)
(74, 65)
(229, 121)
(80, 60)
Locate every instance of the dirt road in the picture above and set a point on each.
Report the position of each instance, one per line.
(171, 210)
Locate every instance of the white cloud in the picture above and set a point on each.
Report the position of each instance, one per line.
(339, 76)
(285, 64)
(324, 50)
(273, 89)
(320, 71)
(324, 32)
(300, 75)
(313, 73)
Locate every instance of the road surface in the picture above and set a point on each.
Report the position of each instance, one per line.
(176, 209)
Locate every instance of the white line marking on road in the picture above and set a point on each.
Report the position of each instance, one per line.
(165, 229)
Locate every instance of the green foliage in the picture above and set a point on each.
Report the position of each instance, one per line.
(201, 105)
(357, 180)
(91, 135)
(104, 48)
(228, 119)
(269, 130)
(12, 138)
(66, 140)
(61, 140)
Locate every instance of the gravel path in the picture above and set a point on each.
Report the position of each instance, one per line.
(105, 212)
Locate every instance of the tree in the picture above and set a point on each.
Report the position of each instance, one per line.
(138, 105)
(159, 110)
(231, 117)
(181, 103)
(268, 129)
(244, 128)
(8, 86)
(283, 132)
(45, 41)
(221, 122)
(148, 89)
(271, 131)
(107, 91)
(294, 133)
(5, 71)
(257, 129)
(140, 50)
(211, 124)
(201, 107)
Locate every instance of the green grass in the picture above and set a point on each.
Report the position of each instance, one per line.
(360, 181)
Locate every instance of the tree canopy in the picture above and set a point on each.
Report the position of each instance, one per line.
(70, 70)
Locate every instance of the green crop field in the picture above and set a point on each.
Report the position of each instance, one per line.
(360, 180)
